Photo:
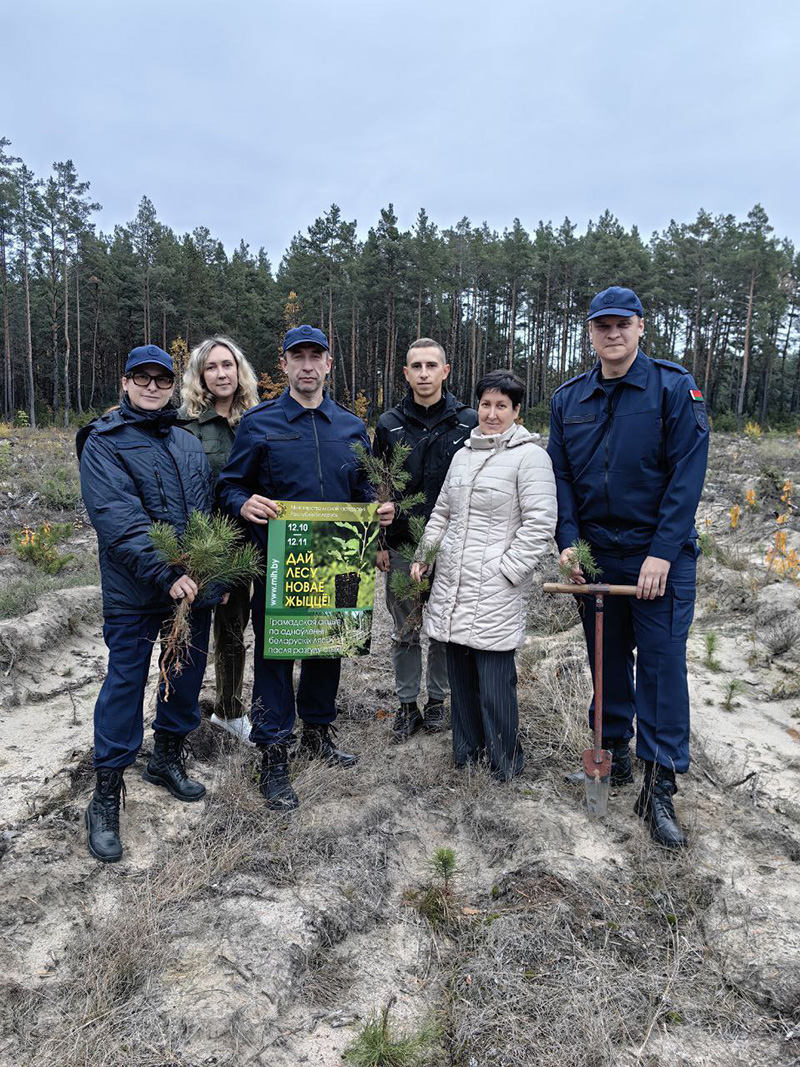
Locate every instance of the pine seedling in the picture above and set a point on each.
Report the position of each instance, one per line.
(730, 691)
(378, 1046)
(445, 865)
(712, 643)
(582, 556)
(402, 584)
(211, 553)
(389, 477)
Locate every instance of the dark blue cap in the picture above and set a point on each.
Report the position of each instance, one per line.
(615, 301)
(149, 354)
(305, 335)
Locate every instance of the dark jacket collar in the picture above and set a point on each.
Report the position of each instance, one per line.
(637, 376)
(153, 422)
(451, 406)
(293, 410)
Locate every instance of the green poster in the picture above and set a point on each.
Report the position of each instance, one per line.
(320, 580)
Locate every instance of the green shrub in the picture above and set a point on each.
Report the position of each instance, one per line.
(40, 547)
(59, 490)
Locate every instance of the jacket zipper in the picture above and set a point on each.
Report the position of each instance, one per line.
(161, 489)
(180, 482)
(319, 459)
(610, 414)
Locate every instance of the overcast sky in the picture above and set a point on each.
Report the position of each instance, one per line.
(252, 118)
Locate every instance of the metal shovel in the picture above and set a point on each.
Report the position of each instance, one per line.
(596, 760)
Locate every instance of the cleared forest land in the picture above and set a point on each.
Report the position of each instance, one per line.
(231, 936)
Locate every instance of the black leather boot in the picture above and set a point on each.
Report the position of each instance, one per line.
(167, 767)
(406, 722)
(435, 721)
(275, 785)
(317, 741)
(102, 816)
(621, 769)
(654, 805)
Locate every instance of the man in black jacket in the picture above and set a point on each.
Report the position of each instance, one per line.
(434, 425)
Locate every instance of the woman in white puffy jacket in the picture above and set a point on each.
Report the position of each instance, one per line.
(494, 519)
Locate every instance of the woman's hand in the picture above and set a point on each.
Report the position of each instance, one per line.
(259, 509)
(184, 589)
(386, 514)
(577, 574)
(418, 571)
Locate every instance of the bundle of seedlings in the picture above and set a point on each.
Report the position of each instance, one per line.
(583, 558)
(210, 552)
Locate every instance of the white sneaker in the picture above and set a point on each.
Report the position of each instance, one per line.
(240, 728)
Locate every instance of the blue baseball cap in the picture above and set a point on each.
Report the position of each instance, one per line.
(615, 301)
(149, 354)
(305, 335)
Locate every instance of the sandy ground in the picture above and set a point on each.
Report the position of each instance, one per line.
(279, 957)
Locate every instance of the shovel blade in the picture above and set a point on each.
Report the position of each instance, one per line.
(597, 781)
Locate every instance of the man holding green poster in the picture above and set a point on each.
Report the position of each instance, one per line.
(297, 447)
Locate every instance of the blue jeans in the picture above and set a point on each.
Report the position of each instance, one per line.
(118, 721)
(657, 630)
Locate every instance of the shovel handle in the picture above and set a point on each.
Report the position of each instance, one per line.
(589, 590)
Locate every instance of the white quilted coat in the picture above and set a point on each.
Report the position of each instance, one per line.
(494, 519)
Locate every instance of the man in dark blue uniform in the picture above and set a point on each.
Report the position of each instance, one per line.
(296, 447)
(629, 445)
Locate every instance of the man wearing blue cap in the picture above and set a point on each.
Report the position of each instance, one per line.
(629, 445)
(298, 446)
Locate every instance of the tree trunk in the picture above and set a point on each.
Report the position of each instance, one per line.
(94, 342)
(512, 325)
(746, 353)
(8, 391)
(28, 337)
(66, 337)
(78, 339)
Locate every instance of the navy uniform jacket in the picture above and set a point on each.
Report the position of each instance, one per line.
(138, 467)
(287, 452)
(629, 469)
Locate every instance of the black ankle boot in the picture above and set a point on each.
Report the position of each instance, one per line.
(435, 717)
(621, 770)
(654, 805)
(275, 785)
(167, 767)
(406, 722)
(317, 741)
(102, 816)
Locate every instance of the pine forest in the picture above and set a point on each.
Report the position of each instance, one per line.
(720, 295)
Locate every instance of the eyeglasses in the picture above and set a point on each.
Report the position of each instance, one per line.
(163, 381)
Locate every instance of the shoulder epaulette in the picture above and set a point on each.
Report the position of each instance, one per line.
(344, 407)
(260, 407)
(672, 366)
(577, 378)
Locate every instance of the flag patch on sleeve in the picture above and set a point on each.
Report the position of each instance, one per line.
(695, 394)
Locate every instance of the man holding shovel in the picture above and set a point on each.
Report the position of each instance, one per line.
(629, 445)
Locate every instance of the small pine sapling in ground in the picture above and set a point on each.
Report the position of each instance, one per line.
(211, 553)
(582, 556)
(378, 1046)
(40, 547)
(712, 643)
(435, 900)
(730, 691)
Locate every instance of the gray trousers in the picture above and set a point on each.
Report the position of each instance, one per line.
(484, 710)
(406, 648)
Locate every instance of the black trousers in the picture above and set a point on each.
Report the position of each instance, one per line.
(484, 710)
